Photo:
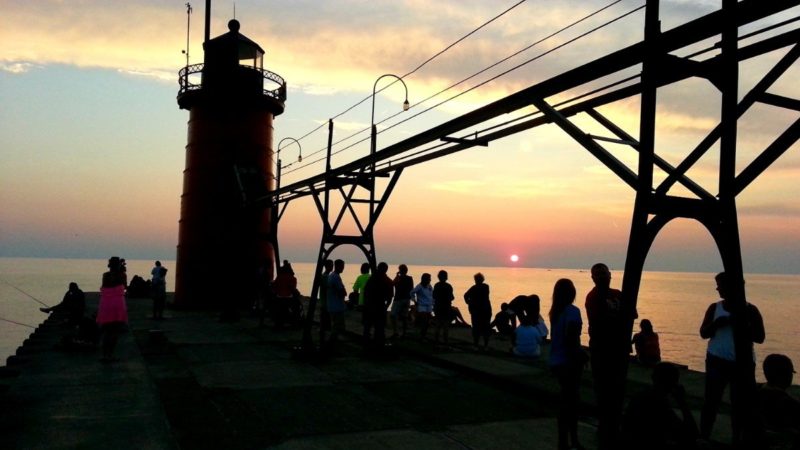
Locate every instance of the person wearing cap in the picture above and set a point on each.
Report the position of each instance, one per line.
(780, 411)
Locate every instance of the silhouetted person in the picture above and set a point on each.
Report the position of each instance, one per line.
(480, 310)
(567, 359)
(358, 286)
(112, 313)
(503, 321)
(336, 307)
(403, 284)
(457, 318)
(528, 338)
(523, 306)
(324, 316)
(443, 305)
(780, 412)
(155, 271)
(648, 350)
(609, 347)
(721, 364)
(422, 295)
(284, 290)
(650, 419)
(378, 293)
(72, 305)
(158, 289)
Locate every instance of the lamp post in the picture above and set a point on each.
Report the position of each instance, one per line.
(374, 135)
(279, 164)
(372, 120)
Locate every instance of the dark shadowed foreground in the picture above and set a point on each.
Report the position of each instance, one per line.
(192, 382)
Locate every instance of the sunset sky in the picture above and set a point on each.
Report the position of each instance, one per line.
(92, 139)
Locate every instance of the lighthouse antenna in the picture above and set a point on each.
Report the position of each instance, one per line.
(188, 27)
(208, 21)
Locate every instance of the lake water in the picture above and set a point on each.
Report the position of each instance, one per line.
(675, 302)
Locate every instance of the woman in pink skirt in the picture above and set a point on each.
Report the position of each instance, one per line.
(112, 314)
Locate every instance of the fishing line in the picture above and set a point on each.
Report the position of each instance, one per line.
(17, 323)
(29, 295)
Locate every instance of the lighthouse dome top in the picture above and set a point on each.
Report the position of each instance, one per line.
(234, 45)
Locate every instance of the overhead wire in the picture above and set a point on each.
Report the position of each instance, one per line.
(25, 293)
(550, 36)
(506, 72)
(482, 131)
(518, 52)
(17, 323)
(584, 95)
(439, 53)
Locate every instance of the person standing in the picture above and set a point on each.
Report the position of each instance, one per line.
(480, 310)
(423, 298)
(566, 360)
(324, 316)
(721, 363)
(378, 292)
(442, 305)
(112, 313)
(358, 285)
(283, 293)
(158, 287)
(403, 284)
(155, 271)
(336, 294)
(609, 347)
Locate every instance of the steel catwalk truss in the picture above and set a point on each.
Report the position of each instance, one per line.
(654, 206)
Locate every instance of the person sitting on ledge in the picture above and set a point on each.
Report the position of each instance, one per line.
(457, 318)
(648, 351)
(73, 305)
(503, 322)
(529, 339)
(650, 420)
(780, 411)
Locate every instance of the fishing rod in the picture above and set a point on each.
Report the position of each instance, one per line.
(29, 295)
(17, 323)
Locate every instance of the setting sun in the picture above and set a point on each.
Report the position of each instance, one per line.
(514, 258)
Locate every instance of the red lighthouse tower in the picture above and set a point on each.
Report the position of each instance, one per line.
(222, 242)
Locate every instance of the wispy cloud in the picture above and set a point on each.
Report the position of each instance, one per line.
(17, 67)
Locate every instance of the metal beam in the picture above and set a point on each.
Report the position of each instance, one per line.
(588, 143)
(679, 37)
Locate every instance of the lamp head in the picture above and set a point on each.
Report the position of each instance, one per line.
(406, 105)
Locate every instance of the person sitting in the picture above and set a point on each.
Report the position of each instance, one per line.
(457, 318)
(780, 411)
(648, 351)
(72, 305)
(650, 420)
(529, 338)
(503, 321)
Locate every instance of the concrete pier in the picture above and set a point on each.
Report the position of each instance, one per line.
(192, 382)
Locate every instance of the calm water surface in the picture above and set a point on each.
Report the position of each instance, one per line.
(675, 302)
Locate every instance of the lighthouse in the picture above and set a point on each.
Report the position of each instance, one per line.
(224, 250)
